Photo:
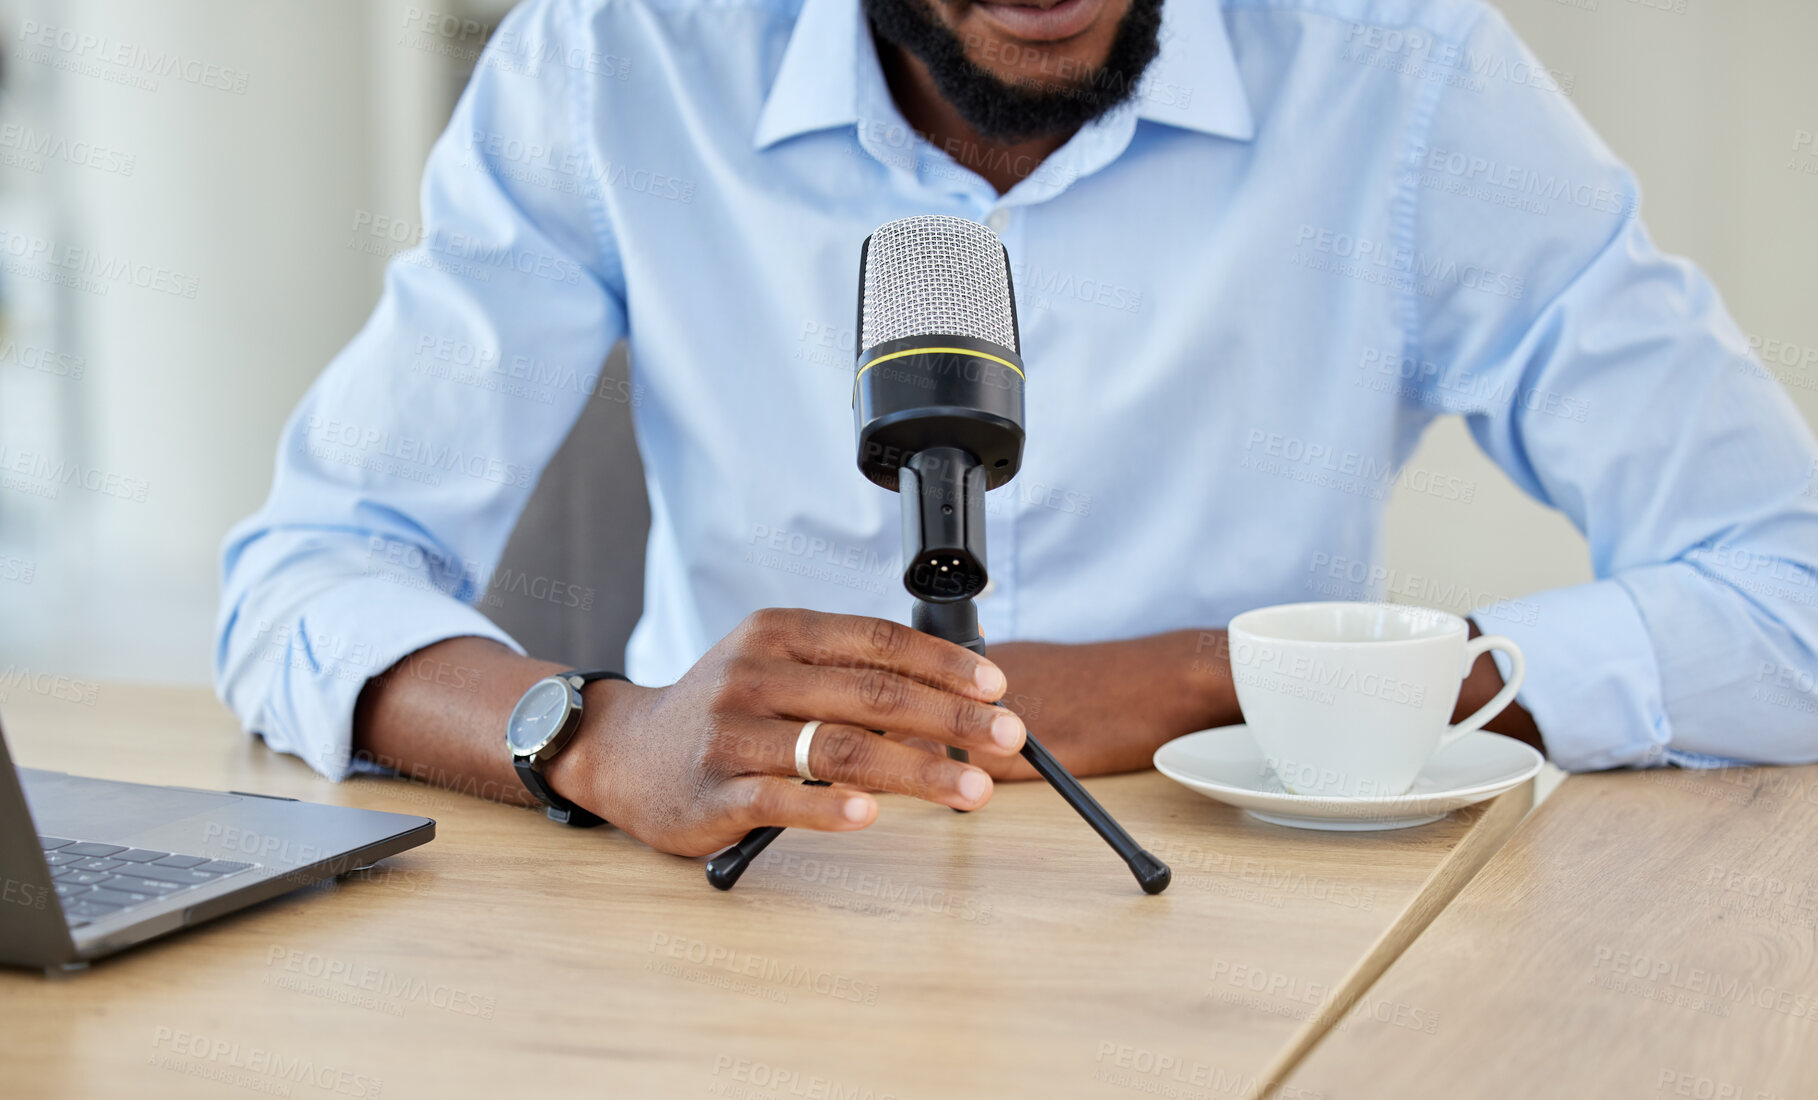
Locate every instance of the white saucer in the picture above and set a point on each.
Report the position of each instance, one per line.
(1225, 764)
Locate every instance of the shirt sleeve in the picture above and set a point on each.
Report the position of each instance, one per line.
(402, 472)
(1609, 382)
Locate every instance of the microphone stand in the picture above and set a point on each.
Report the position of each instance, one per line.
(941, 422)
(933, 482)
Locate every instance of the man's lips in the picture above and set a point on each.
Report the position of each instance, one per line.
(1041, 20)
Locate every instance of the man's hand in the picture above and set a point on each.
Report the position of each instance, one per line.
(1480, 686)
(691, 767)
(1106, 707)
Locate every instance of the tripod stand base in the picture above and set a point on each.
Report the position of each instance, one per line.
(1151, 874)
(957, 622)
(723, 870)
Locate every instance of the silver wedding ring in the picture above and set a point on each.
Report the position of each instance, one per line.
(803, 742)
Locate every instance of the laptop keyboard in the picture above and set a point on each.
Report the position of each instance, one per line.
(95, 880)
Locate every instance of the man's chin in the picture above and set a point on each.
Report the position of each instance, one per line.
(1040, 22)
(1007, 112)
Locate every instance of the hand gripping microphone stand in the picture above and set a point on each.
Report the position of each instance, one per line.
(938, 402)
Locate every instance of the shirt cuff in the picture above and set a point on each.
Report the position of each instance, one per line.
(1593, 683)
(344, 636)
(1701, 760)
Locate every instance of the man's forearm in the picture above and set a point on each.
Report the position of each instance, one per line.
(411, 720)
(1102, 707)
(690, 767)
(1105, 707)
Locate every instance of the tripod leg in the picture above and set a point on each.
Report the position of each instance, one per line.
(1151, 874)
(723, 870)
(957, 622)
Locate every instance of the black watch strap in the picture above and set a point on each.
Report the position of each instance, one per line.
(558, 809)
(561, 810)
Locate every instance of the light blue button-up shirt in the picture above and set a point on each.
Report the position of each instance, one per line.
(1244, 294)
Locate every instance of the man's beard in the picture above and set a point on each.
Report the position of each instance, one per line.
(1005, 112)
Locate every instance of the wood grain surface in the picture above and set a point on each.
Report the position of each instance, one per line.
(1001, 953)
(1644, 934)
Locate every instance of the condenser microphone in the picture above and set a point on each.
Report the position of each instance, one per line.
(938, 397)
(938, 403)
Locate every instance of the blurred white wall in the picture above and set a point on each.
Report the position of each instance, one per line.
(235, 191)
(246, 196)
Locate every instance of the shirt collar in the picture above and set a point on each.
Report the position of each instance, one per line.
(1193, 84)
(817, 86)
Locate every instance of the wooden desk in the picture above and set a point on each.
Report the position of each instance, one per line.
(1645, 934)
(1003, 953)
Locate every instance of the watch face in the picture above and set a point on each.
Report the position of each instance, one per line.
(537, 717)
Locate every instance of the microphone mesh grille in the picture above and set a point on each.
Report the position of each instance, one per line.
(936, 276)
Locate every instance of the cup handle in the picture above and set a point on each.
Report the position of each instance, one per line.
(1518, 668)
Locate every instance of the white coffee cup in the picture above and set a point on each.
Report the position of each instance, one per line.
(1350, 700)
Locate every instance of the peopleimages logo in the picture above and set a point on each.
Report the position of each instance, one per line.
(783, 1082)
(1491, 389)
(746, 964)
(1543, 186)
(1036, 282)
(51, 685)
(372, 447)
(1472, 69)
(1805, 144)
(22, 570)
(26, 895)
(1402, 267)
(462, 253)
(1721, 988)
(481, 366)
(1160, 1073)
(26, 148)
(1347, 471)
(883, 888)
(570, 170)
(1337, 577)
(44, 360)
(229, 1056)
(1267, 667)
(42, 476)
(120, 61)
(86, 270)
(387, 990)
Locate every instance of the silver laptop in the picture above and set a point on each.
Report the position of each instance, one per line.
(89, 867)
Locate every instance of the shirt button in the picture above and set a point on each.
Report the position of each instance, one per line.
(999, 221)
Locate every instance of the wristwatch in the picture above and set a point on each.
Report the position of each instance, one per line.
(541, 725)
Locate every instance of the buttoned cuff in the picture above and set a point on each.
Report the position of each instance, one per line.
(344, 636)
(1593, 682)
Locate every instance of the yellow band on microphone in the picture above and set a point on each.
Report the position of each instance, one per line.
(933, 351)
